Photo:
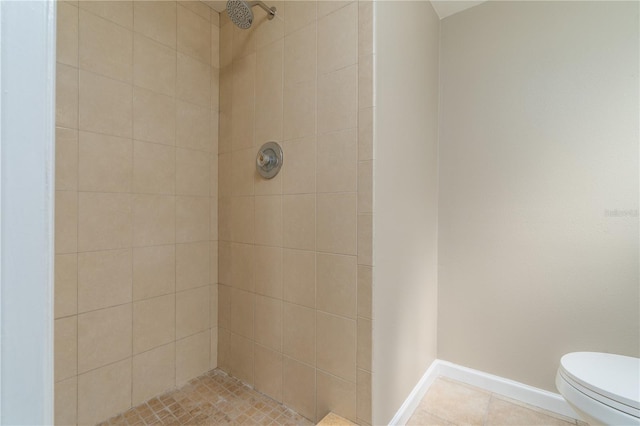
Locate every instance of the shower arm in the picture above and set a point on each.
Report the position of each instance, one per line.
(270, 11)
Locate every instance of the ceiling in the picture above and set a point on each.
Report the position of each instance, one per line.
(443, 8)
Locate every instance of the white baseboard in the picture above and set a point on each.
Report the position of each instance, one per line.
(419, 391)
(511, 389)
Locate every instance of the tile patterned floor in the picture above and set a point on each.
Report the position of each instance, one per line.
(212, 399)
(453, 403)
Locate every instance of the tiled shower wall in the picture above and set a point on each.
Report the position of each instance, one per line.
(295, 251)
(136, 202)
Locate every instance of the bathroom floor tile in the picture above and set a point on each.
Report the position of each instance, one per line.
(214, 398)
(448, 402)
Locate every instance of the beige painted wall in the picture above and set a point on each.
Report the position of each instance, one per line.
(538, 140)
(136, 203)
(405, 201)
(295, 251)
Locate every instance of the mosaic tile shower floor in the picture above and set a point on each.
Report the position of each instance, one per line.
(212, 399)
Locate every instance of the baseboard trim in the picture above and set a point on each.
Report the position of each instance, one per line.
(509, 388)
(419, 391)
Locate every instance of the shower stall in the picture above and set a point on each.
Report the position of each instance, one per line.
(174, 256)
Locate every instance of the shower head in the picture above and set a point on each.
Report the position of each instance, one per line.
(240, 12)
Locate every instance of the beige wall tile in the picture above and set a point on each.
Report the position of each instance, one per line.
(224, 306)
(363, 396)
(154, 322)
(156, 20)
(66, 218)
(66, 159)
(120, 12)
(299, 110)
(267, 31)
(66, 285)
(66, 348)
(198, 8)
(192, 172)
(154, 218)
(104, 336)
(268, 220)
(244, 42)
(192, 265)
(154, 65)
(192, 312)
(269, 92)
(365, 239)
(338, 100)
(215, 91)
(224, 349)
(153, 271)
(338, 157)
(299, 221)
(337, 395)
(66, 96)
(365, 187)
(364, 344)
(213, 262)
(366, 96)
(67, 34)
(243, 171)
(327, 7)
(336, 352)
(268, 271)
(154, 168)
(225, 175)
(300, 59)
(192, 219)
(213, 305)
(299, 333)
(192, 356)
(104, 279)
(103, 392)
(104, 221)
(193, 82)
(213, 352)
(365, 28)
(240, 354)
(215, 44)
(338, 39)
(243, 105)
(242, 264)
(194, 35)
(242, 216)
(192, 126)
(226, 50)
(105, 47)
(66, 402)
(154, 117)
(268, 322)
(365, 282)
(299, 387)
(153, 373)
(299, 171)
(225, 219)
(242, 313)
(105, 105)
(299, 13)
(268, 372)
(337, 223)
(224, 262)
(299, 277)
(365, 134)
(264, 186)
(105, 163)
(337, 284)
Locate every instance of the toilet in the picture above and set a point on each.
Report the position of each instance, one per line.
(604, 389)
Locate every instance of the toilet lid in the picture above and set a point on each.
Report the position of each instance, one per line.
(616, 377)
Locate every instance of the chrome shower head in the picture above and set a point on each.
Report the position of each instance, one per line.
(241, 15)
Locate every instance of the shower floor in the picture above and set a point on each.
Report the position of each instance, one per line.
(214, 398)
